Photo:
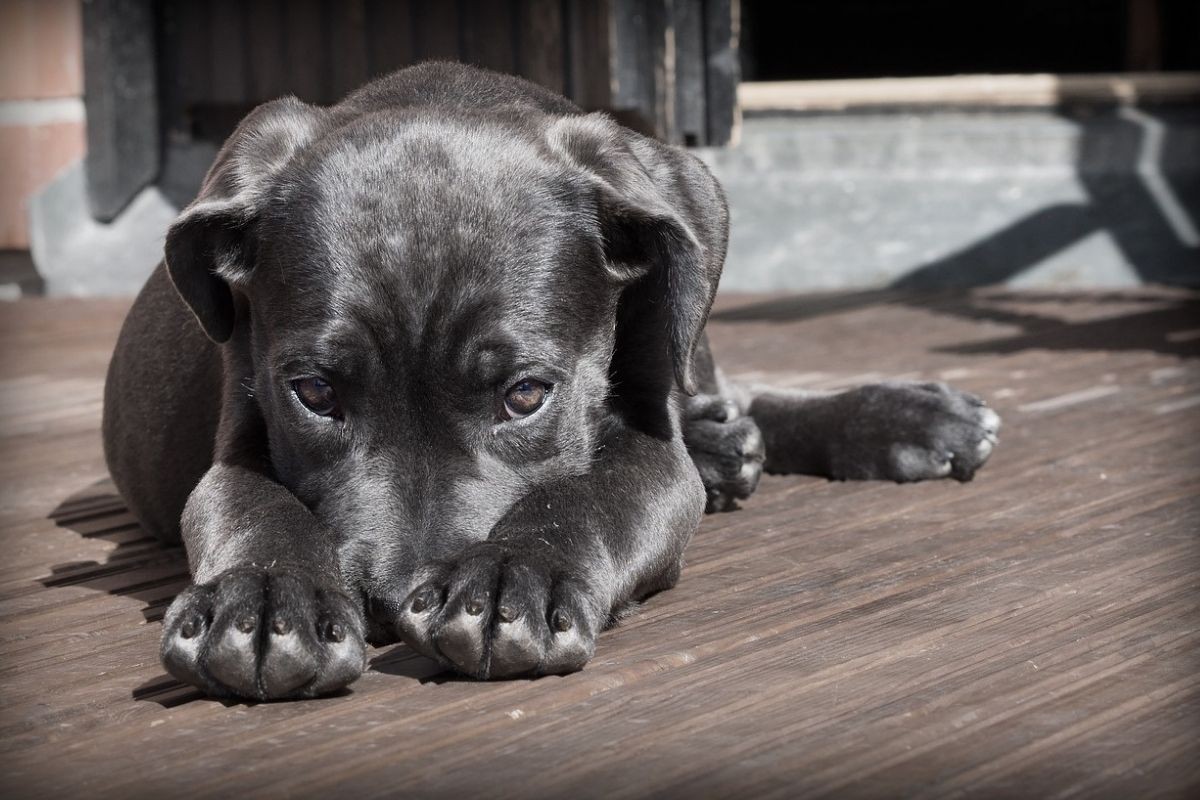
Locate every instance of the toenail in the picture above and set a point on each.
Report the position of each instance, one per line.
(507, 613)
(246, 624)
(335, 632)
(561, 620)
(420, 603)
(281, 626)
(188, 629)
(474, 606)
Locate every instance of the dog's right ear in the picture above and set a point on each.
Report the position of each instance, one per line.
(210, 248)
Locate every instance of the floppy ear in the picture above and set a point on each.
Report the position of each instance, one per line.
(211, 246)
(664, 223)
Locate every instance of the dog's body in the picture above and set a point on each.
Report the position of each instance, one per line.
(454, 387)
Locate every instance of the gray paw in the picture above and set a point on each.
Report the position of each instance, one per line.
(263, 635)
(500, 613)
(914, 431)
(726, 449)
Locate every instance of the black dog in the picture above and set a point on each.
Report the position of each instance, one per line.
(454, 389)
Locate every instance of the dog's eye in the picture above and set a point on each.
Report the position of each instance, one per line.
(317, 396)
(525, 397)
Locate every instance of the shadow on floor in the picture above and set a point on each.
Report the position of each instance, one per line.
(138, 567)
(1141, 189)
(1173, 330)
(1169, 325)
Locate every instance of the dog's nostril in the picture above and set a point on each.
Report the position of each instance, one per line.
(247, 624)
(281, 626)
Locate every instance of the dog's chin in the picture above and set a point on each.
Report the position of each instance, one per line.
(379, 614)
(379, 632)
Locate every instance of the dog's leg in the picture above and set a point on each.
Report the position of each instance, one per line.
(560, 565)
(266, 617)
(898, 431)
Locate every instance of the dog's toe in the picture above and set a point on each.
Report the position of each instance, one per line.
(460, 639)
(916, 462)
(573, 637)
(232, 662)
(517, 647)
(185, 631)
(989, 420)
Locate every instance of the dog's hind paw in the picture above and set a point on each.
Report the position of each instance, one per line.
(263, 634)
(913, 432)
(727, 450)
(500, 612)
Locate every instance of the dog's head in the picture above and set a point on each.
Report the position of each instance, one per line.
(436, 312)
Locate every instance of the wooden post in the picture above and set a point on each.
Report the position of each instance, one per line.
(541, 43)
(674, 68)
(1143, 51)
(721, 19)
(589, 43)
(121, 101)
(691, 121)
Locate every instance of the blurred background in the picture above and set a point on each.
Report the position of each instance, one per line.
(862, 143)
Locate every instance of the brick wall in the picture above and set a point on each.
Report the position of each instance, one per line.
(41, 108)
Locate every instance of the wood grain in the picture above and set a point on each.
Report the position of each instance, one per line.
(1033, 633)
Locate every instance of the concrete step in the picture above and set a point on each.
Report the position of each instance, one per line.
(1095, 197)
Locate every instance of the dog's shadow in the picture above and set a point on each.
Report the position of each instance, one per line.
(138, 567)
(142, 568)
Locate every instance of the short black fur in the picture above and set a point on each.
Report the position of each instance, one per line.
(438, 236)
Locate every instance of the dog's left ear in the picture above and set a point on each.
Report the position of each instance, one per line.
(663, 220)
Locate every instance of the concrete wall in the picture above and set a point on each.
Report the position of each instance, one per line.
(1101, 196)
(41, 113)
(1095, 197)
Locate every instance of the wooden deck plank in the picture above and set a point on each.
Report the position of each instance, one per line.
(1034, 632)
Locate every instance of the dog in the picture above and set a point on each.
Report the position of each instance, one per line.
(430, 365)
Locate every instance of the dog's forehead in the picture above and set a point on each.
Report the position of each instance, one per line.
(443, 231)
(415, 201)
(432, 184)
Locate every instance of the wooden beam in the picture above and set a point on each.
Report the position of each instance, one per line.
(120, 96)
(721, 27)
(691, 121)
(970, 90)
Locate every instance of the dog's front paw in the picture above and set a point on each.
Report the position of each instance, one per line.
(727, 450)
(263, 634)
(501, 611)
(913, 432)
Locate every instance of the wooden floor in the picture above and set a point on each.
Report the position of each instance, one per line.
(1032, 634)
